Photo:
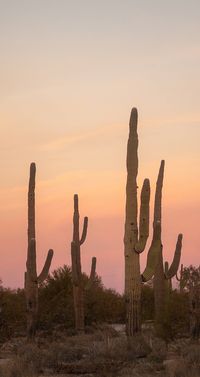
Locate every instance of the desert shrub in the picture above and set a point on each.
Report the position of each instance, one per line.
(56, 301)
(12, 314)
(104, 305)
(147, 303)
(17, 368)
(178, 312)
(191, 355)
(26, 363)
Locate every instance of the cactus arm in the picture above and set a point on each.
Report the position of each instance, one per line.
(166, 267)
(158, 194)
(176, 260)
(44, 273)
(84, 233)
(93, 269)
(31, 202)
(181, 274)
(92, 274)
(76, 220)
(153, 253)
(131, 227)
(31, 260)
(144, 217)
(156, 244)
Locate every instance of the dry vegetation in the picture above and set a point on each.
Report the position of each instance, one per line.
(103, 353)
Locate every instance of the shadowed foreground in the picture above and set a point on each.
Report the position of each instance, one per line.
(100, 353)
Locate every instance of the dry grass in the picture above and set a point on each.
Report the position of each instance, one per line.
(101, 354)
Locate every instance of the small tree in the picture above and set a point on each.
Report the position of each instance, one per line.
(191, 279)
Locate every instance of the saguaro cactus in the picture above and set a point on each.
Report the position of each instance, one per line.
(134, 240)
(77, 279)
(31, 278)
(163, 277)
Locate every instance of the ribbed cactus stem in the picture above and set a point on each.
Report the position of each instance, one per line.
(144, 217)
(152, 255)
(176, 260)
(156, 243)
(158, 195)
(168, 282)
(31, 278)
(181, 274)
(31, 203)
(44, 273)
(92, 275)
(93, 269)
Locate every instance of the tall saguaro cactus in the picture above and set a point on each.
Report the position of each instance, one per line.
(134, 239)
(31, 278)
(77, 279)
(163, 276)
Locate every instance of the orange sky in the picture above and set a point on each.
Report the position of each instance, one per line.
(69, 75)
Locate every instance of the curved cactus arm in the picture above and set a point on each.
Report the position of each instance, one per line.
(93, 269)
(158, 194)
(31, 202)
(176, 260)
(181, 274)
(92, 274)
(84, 233)
(131, 226)
(144, 217)
(44, 273)
(156, 244)
(152, 256)
(31, 260)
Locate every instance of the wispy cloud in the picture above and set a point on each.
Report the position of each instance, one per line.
(80, 137)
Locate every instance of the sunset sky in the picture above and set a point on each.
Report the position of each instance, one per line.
(70, 72)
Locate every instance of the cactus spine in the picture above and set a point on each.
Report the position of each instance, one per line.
(77, 280)
(134, 240)
(31, 278)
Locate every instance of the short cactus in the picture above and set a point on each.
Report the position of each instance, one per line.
(77, 279)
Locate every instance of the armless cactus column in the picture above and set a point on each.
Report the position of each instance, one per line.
(77, 280)
(31, 278)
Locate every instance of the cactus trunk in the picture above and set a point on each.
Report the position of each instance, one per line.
(31, 278)
(77, 280)
(134, 240)
(159, 295)
(162, 278)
